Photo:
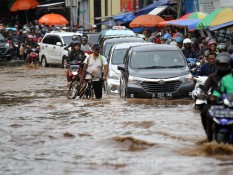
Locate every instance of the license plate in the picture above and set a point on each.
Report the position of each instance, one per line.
(162, 95)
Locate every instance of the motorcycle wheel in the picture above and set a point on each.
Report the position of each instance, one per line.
(74, 88)
(220, 137)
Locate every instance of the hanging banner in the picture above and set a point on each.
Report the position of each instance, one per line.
(128, 5)
(226, 3)
(206, 6)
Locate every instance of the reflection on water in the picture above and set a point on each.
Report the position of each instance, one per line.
(42, 132)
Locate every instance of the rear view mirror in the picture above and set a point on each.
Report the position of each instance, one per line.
(58, 43)
(121, 67)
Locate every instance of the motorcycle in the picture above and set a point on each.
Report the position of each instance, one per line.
(74, 69)
(222, 116)
(33, 56)
(198, 94)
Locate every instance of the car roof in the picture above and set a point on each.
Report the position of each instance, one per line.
(154, 47)
(120, 39)
(64, 33)
(129, 44)
(117, 32)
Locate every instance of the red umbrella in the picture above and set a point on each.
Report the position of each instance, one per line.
(24, 5)
(53, 19)
(146, 21)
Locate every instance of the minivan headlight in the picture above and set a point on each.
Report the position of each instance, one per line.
(135, 80)
(186, 78)
(113, 75)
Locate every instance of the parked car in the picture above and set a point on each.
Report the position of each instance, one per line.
(109, 42)
(52, 48)
(6, 50)
(116, 56)
(155, 71)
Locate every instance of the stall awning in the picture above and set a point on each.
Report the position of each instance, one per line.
(157, 10)
(51, 4)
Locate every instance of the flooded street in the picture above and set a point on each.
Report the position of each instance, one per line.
(42, 132)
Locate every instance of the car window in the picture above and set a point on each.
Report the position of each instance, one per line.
(2, 39)
(118, 56)
(93, 38)
(157, 58)
(57, 39)
(67, 39)
(46, 40)
(107, 48)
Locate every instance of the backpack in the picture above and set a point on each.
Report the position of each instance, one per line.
(101, 59)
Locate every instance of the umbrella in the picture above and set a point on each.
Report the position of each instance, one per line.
(146, 21)
(194, 15)
(217, 17)
(24, 5)
(53, 19)
(189, 23)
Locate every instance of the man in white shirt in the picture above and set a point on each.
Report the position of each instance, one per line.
(96, 64)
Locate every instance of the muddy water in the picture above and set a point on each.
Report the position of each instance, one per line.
(42, 132)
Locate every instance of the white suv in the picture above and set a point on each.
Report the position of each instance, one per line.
(52, 48)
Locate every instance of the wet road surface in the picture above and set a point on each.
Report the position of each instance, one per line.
(42, 132)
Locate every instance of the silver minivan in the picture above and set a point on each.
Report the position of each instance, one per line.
(116, 56)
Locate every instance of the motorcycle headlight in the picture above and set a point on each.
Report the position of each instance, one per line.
(135, 80)
(7, 45)
(186, 78)
(113, 75)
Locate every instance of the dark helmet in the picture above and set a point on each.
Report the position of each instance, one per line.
(74, 37)
(223, 62)
(77, 43)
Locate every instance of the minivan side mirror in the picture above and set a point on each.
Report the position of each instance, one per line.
(58, 43)
(121, 67)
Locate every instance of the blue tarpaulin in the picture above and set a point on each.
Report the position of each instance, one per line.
(227, 24)
(190, 23)
(129, 16)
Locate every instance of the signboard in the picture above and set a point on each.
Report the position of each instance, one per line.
(128, 5)
(226, 3)
(206, 6)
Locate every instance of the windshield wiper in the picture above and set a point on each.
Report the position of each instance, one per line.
(175, 66)
(152, 67)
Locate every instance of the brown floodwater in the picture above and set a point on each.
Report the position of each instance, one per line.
(42, 132)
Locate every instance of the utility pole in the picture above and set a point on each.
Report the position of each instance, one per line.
(71, 14)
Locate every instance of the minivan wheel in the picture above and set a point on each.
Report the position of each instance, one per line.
(44, 62)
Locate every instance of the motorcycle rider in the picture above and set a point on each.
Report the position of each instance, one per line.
(223, 67)
(179, 42)
(75, 38)
(187, 50)
(28, 45)
(209, 66)
(76, 54)
(84, 46)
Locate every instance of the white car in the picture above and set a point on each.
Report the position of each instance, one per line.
(116, 56)
(52, 48)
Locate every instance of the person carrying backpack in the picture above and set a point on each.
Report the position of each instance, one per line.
(94, 64)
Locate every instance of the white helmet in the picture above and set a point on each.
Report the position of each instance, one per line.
(94, 26)
(187, 41)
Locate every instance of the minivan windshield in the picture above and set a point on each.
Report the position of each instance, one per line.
(157, 59)
(67, 39)
(118, 56)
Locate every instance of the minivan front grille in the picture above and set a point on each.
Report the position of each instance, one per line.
(162, 86)
(2, 50)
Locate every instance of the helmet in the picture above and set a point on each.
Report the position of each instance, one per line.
(74, 37)
(77, 43)
(212, 41)
(179, 40)
(222, 46)
(159, 34)
(207, 39)
(230, 49)
(223, 62)
(30, 37)
(84, 38)
(187, 41)
(173, 43)
(163, 38)
(167, 35)
(94, 26)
